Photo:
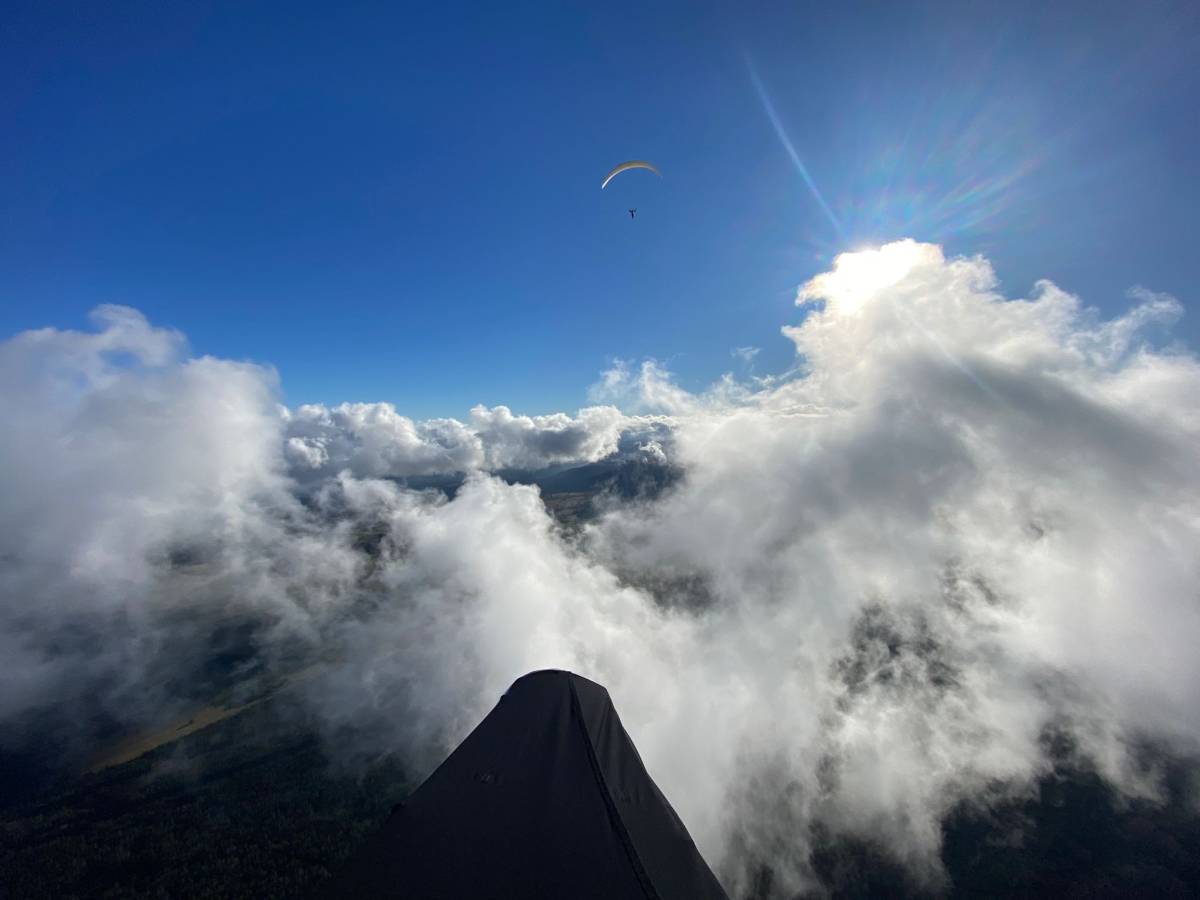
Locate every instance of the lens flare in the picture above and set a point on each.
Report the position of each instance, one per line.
(769, 108)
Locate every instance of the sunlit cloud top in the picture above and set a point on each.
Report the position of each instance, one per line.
(859, 275)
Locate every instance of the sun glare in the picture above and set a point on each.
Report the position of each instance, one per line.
(859, 275)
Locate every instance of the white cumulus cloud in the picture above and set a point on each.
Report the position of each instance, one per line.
(374, 440)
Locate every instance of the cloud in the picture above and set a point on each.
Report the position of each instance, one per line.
(987, 501)
(745, 354)
(120, 448)
(373, 440)
(650, 389)
(963, 521)
(532, 442)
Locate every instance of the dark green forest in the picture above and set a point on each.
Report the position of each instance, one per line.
(255, 806)
(249, 807)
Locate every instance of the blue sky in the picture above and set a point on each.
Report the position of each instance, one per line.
(401, 202)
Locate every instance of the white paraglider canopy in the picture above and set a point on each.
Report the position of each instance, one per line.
(625, 167)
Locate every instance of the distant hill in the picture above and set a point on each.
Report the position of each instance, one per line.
(625, 478)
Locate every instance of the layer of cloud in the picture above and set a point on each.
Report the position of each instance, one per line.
(373, 440)
(962, 522)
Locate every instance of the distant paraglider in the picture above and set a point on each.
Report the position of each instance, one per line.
(625, 167)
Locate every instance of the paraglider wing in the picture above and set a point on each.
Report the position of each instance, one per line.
(547, 797)
(625, 167)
